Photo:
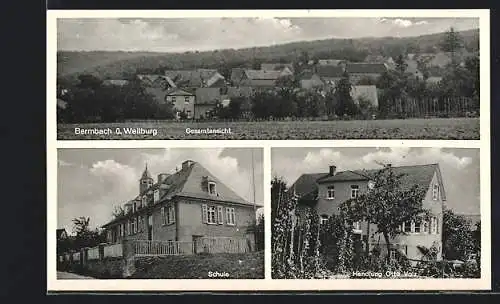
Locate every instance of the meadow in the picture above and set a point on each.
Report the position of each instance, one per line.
(430, 128)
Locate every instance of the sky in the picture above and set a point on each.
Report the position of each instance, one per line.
(92, 181)
(190, 34)
(459, 167)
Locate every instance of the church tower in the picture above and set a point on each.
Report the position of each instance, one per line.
(146, 180)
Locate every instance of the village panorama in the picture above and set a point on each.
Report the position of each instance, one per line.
(399, 87)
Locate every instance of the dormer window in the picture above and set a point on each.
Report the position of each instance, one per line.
(156, 195)
(144, 200)
(330, 192)
(212, 190)
(435, 192)
(324, 219)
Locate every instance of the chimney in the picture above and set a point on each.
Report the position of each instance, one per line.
(332, 170)
(162, 177)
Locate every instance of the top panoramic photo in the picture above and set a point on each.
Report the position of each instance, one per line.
(267, 78)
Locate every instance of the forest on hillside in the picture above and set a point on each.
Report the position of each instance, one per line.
(125, 65)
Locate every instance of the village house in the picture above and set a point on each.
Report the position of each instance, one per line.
(206, 100)
(156, 85)
(256, 78)
(358, 71)
(412, 70)
(183, 206)
(246, 94)
(332, 62)
(325, 192)
(182, 101)
(199, 78)
(286, 68)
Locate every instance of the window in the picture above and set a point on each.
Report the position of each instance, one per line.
(171, 215)
(356, 225)
(230, 217)
(129, 227)
(144, 200)
(324, 219)
(435, 192)
(433, 225)
(173, 99)
(354, 191)
(156, 195)
(220, 219)
(418, 226)
(163, 218)
(211, 188)
(133, 207)
(132, 226)
(330, 192)
(211, 215)
(425, 226)
(141, 224)
(407, 226)
(186, 100)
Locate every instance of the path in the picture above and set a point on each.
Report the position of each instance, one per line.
(72, 276)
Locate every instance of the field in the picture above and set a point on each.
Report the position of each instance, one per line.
(434, 128)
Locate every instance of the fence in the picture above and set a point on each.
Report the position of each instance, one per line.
(222, 245)
(435, 107)
(113, 250)
(160, 248)
(93, 253)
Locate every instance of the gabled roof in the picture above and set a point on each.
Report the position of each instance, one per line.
(179, 92)
(237, 74)
(366, 68)
(207, 95)
(152, 79)
(193, 78)
(420, 175)
(276, 66)
(189, 182)
(329, 71)
(330, 61)
(262, 74)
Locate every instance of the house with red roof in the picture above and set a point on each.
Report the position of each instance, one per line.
(325, 192)
(184, 206)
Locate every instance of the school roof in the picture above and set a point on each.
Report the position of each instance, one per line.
(188, 182)
(421, 175)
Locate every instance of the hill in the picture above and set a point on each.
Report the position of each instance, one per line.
(125, 64)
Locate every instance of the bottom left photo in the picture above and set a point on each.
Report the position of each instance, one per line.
(160, 213)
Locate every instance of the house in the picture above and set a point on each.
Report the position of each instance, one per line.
(183, 206)
(432, 80)
(325, 192)
(182, 101)
(412, 70)
(334, 62)
(310, 80)
(329, 74)
(255, 78)
(206, 100)
(200, 78)
(285, 68)
(359, 71)
(156, 81)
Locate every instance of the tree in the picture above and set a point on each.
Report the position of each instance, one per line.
(345, 104)
(452, 42)
(84, 236)
(118, 212)
(388, 205)
(234, 106)
(458, 242)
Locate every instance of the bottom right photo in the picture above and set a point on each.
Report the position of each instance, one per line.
(375, 213)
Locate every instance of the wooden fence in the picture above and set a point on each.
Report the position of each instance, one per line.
(433, 107)
(222, 245)
(160, 248)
